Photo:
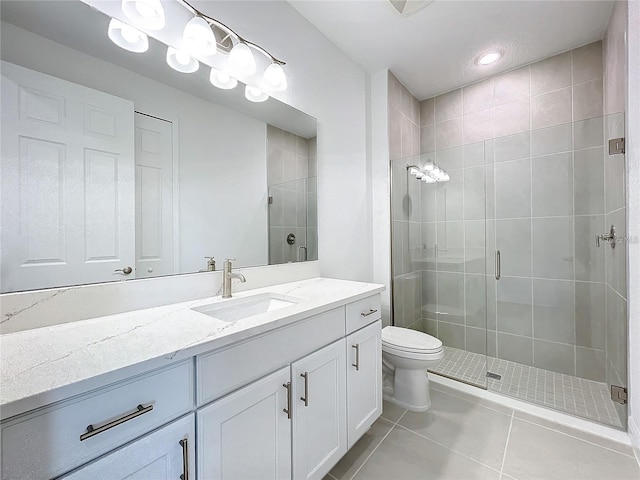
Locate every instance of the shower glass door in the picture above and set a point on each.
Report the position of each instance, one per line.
(439, 252)
(557, 328)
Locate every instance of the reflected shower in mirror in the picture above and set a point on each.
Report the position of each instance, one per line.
(114, 166)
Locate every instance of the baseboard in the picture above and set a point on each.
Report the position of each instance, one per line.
(634, 434)
(604, 431)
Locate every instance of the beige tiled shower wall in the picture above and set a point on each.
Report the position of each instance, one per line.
(404, 143)
(527, 146)
(615, 88)
(291, 177)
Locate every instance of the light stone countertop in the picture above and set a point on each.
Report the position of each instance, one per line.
(47, 364)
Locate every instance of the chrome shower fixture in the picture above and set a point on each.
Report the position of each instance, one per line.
(430, 173)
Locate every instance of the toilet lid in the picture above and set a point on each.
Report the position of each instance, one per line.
(409, 340)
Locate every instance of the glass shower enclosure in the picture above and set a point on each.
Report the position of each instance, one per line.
(517, 263)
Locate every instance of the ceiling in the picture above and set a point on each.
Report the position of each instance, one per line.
(435, 49)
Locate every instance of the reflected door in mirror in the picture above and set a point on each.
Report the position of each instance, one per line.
(67, 182)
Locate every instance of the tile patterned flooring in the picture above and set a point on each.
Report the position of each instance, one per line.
(573, 395)
(464, 437)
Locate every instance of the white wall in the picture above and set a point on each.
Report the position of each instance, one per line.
(221, 152)
(326, 84)
(381, 189)
(633, 196)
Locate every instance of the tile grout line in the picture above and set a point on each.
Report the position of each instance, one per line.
(379, 443)
(449, 448)
(506, 445)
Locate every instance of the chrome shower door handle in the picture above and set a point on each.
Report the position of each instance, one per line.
(497, 264)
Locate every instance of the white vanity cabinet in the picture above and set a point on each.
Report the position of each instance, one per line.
(364, 379)
(298, 421)
(319, 411)
(166, 454)
(247, 434)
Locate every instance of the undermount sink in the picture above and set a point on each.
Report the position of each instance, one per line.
(245, 307)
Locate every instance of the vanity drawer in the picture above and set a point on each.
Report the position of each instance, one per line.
(223, 371)
(363, 312)
(47, 442)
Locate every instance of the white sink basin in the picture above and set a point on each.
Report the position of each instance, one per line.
(245, 307)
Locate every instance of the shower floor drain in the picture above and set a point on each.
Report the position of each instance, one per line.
(495, 376)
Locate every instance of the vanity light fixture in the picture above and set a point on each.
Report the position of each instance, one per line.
(254, 94)
(241, 60)
(275, 78)
(222, 79)
(181, 61)
(198, 38)
(147, 14)
(127, 37)
(489, 58)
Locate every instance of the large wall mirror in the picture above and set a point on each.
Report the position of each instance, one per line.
(116, 167)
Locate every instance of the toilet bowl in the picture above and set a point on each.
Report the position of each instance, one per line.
(406, 355)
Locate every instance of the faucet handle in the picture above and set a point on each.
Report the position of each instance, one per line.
(230, 260)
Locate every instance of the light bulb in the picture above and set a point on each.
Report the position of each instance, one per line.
(241, 60)
(275, 78)
(429, 166)
(222, 80)
(147, 14)
(127, 37)
(254, 94)
(198, 38)
(445, 177)
(489, 58)
(181, 61)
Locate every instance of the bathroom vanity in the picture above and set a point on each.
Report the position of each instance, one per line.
(277, 382)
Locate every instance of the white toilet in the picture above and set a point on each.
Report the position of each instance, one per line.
(406, 355)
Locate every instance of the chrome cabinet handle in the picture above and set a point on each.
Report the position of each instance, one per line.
(370, 312)
(125, 270)
(91, 430)
(305, 399)
(497, 264)
(357, 364)
(288, 409)
(185, 459)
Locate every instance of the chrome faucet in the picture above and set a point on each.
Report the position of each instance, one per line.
(228, 276)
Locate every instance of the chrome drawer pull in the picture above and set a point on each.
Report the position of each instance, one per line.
(370, 312)
(91, 430)
(288, 409)
(357, 364)
(185, 459)
(305, 399)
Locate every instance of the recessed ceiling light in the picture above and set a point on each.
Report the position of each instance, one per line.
(489, 58)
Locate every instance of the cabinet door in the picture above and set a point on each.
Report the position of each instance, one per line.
(364, 377)
(319, 414)
(165, 454)
(247, 434)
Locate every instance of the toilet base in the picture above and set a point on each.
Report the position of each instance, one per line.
(410, 390)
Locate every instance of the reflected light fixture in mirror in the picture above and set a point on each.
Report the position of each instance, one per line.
(181, 61)
(147, 14)
(222, 79)
(254, 94)
(127, 37)
(199, 39)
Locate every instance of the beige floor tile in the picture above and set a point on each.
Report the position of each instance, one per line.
(351, 462)
(536, 452)
(404, 455)
(391, 411)
(588, 437)
(463, 426)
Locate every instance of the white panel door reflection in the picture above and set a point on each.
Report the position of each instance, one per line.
(67, 183)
